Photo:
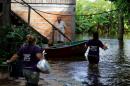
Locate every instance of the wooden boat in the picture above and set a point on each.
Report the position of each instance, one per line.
(66, 51)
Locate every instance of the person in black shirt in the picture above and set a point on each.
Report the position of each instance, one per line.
(94, 45)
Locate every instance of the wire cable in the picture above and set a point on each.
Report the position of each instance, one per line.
(70, 14)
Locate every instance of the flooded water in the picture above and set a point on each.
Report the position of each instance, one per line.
(113, 69)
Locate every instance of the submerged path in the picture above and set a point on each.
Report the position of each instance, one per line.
(113, 70)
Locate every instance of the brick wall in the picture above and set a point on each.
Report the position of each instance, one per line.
(39, 24)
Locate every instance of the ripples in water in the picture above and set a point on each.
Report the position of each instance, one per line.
(113, 69)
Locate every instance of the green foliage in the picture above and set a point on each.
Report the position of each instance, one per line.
(86, 7)
(12, 37)
(85, 22)
(123, 5)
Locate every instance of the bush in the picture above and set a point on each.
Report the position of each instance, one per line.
(12, 37)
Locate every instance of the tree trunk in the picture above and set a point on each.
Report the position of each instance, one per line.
(121, 26)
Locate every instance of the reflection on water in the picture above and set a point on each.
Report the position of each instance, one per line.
(93, 76)
(113, 69)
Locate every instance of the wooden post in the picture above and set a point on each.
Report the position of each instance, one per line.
(29, 15)
(73, 24)
(53, 35)
(1, 13)
(6, 12)
(4, 15)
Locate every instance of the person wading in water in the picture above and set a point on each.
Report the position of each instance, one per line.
(30, 54)
(94, 44)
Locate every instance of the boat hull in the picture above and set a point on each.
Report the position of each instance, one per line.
(76, 51)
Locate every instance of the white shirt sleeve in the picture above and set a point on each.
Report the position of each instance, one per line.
(64, 24)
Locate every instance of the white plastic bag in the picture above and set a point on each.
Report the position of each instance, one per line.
(43, 66)
(86, 53)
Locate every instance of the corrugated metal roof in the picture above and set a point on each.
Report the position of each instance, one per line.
(49, 1)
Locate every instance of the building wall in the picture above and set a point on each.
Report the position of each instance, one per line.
(65, 8)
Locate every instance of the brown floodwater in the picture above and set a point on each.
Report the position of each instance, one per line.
(113, 69)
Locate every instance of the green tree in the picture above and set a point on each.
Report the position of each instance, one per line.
(124, 11)
(85, 22)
